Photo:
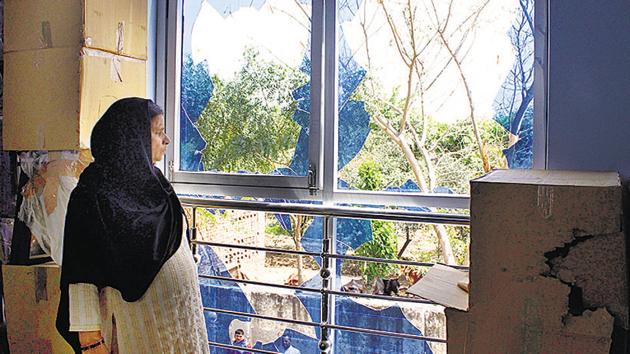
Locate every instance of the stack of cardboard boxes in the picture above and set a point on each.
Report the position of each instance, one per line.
(65, 63)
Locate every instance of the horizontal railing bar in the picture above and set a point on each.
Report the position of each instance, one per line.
(313, 290)
(390, 261)
(254, 282)
(228, 346)
(381, 260)
(329, 210)
(255, 248)
(385, 333)
(262, 317)
(315, 254)
(381, 297)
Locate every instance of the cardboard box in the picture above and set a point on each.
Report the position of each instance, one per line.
(115, 26)
(537, 239)
(31, 295)
(53, 97)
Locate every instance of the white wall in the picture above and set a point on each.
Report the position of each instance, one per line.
(589, 85)
(151, 47)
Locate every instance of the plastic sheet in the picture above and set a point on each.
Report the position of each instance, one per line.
(6, 233)
(52, 177)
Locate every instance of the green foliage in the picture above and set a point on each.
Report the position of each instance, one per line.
(457, 159)
(383, 245)
(460, 241)
(384, 242)
(274, 228)
(205, 217)
(248, 122)
(452, 146)
(379, 148)
(370, 175)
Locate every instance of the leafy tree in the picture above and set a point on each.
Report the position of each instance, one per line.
(431, 43)
(248, 122)
(383, 245)
(384, 242)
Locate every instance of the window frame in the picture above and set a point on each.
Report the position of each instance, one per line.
(322, 184)
(172, 57)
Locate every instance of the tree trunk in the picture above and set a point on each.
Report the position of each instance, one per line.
(300, 265)
(297, 236)
(440, 231)
(445, 244)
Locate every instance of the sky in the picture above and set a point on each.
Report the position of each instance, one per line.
(280, 30)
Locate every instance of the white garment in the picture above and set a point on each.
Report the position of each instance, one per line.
(292, 350)
(167, 319)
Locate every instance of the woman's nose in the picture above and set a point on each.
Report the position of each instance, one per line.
(167, 140)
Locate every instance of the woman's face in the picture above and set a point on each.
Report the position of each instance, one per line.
(159, 139)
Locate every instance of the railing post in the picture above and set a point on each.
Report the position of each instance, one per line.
(327, 273)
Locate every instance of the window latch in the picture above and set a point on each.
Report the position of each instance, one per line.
(312, 179)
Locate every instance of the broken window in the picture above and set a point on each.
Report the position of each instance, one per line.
(354, 102)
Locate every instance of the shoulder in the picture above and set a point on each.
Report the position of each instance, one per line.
(84, 199)
(82, 194)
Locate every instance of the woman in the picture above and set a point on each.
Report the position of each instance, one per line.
(128, 279)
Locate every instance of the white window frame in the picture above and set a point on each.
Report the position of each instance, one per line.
(182, 179)
(322, 184)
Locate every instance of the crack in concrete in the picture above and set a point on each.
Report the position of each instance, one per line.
(576, 300)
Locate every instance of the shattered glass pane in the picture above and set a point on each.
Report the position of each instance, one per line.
(245, 87)
(277, 232)
(431, 96)
(428, 98)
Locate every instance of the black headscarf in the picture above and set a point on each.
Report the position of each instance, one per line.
(124, 220)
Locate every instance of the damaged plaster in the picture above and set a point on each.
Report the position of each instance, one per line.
(586, 266)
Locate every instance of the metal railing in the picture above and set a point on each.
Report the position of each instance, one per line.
(326, 291)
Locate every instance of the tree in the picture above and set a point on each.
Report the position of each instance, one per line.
(247, 122)
(299, 224)
(384, 243)
(514, 104)
(428, 42)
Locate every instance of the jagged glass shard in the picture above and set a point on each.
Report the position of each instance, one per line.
(520, 155)
(302, 95)
(220, 294)
(303, 343)
(312, 238)
(442, 190)
(191, 146)
(196, 91)
(210, 264)
(352, 233)
(227, 7)
(347, 9)
(350, 313)
(409, 187)
(514, 104)
(299, 163)
(354, 128)
(350, 72)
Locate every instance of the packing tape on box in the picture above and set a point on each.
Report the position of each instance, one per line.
(41, 280)
(46, 37)
(115, 70)
(120, 37)
(545, 201)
